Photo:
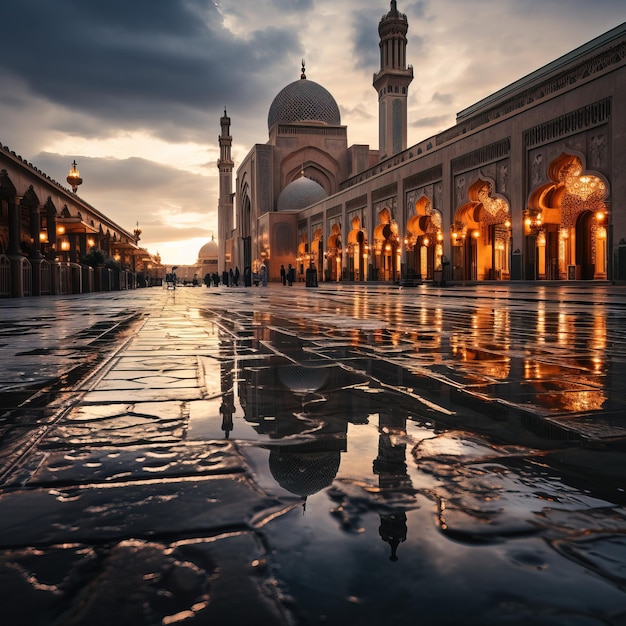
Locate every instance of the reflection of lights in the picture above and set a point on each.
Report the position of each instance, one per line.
(442, 517)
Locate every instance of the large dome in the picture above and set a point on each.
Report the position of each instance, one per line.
(209, 250)
(299, 194)
(304, 101)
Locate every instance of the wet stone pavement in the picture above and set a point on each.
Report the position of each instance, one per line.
(293, 456)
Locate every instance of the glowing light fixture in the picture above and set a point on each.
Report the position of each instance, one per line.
(73, 178)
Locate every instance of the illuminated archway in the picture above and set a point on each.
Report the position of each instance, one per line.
(333, 253)
(386, 248)
(303, 257)
(423, 241)
(357, 250)
(565, 224)
(481, 235)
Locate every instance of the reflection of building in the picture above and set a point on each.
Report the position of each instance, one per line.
(524, 186)
(390, 466)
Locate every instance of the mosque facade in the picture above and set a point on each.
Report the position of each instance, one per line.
(527, 185)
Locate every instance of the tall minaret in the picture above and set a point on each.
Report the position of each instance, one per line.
(392, 83)
(225, 215)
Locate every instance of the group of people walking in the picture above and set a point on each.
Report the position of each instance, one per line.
(232, 277)
(287, 275)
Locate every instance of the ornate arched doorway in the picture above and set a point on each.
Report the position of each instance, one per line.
(317, 252)
(303, 257)
(333, 254)
(386, 248)
(565, 224)
(481, 235)
(357, 251)
(423, 241)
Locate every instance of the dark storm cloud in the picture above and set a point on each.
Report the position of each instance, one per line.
(288, 6)
(366, 38)
(365, 43)
(138, 62)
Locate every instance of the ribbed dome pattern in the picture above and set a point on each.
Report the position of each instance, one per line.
(299, 194)
(304, 101)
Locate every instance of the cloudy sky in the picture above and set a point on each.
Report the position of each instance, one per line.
(134, 89)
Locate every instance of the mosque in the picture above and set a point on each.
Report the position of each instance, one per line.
(206, 263)
(527, 185)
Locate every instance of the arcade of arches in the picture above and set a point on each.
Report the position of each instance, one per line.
(564, 235)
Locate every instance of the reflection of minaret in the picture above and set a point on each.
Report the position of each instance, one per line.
(390, 465)
(227, 407)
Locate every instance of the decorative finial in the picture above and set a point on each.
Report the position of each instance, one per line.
(74, 178)
(303, 75)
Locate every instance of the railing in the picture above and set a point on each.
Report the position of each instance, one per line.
(5, 276)
(27, 277)
(61, 278)
(45, 276)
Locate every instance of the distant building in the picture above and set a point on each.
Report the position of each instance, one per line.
(528, 184)
(206, 263)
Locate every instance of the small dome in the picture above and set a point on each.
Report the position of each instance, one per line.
(208, 250)
(299, 194)
(304, 101)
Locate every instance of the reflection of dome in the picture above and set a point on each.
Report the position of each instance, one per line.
(208, 250)
(300, 379)
(304, 473)
(299, 194)
(304, 101)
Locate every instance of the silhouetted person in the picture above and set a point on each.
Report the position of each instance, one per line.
(283, 275)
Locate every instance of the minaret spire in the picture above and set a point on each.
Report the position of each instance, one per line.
(392, 83)
(225, 165)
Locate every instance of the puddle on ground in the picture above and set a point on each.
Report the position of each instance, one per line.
(324, 473)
